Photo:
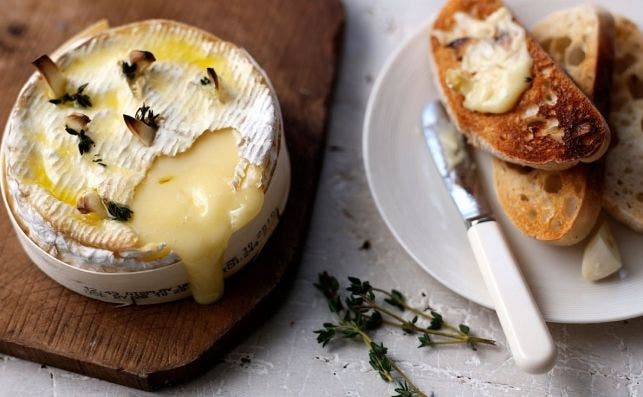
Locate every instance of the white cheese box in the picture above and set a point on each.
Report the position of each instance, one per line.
(167, 283)
(134, 271)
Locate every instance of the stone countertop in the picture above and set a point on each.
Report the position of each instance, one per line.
(282, 358)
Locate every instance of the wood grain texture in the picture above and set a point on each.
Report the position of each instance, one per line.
(297, 42)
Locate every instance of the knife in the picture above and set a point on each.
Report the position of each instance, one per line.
(527, 334)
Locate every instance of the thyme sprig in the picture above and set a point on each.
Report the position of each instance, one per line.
(99, 160)
(85, 143)
(79, 97)
(118, 211)
(146, 115)
(360, 312)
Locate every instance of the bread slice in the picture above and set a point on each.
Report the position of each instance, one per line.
(623, 196)
(562, 207)
(558, 207)
(552, 126)
(581, 40)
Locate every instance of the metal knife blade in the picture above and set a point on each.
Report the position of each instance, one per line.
(455, 164)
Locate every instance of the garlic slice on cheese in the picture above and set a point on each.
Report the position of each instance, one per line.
(46, 175)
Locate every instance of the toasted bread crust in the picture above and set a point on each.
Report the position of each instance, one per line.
(558, 207)
(510, 136)
(601, 94)
(581, 184)
(581, 41)
(623, 196)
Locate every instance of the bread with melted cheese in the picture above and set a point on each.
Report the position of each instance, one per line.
(561, 207)
(552, 125)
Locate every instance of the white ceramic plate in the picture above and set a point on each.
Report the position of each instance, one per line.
(416, 207)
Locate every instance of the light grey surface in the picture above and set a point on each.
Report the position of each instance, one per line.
(285, 360)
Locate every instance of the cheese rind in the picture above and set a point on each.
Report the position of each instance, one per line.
(45, 173)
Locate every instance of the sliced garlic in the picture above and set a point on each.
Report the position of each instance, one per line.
(214, 77)
(601, 256)
(77, 121)
(91, 202)
(142, 131)
(141, 60)
(55, 78)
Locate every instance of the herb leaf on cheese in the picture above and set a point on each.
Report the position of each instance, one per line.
(99, 160)
(146, 115)
(129, 70)
(85, 143)
(118, 211)
(79, 97)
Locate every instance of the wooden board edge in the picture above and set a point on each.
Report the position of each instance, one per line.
(264, 309)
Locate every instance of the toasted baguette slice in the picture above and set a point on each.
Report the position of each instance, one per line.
(552, 126)
(623, 196)
(581, 41)
(566, 215)
(559, 207)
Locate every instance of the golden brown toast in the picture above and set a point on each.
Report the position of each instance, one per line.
(552, 126)
(558, 207)
(581, 40)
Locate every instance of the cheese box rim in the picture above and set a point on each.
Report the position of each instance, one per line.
(82, 39)
(18, 229)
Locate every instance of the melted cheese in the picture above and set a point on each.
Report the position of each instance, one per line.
(46, 174)
(496, 67)
(189, 203)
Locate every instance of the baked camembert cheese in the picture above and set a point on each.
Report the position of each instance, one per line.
(142, 146)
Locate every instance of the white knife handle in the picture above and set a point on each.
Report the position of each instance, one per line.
(527, 334)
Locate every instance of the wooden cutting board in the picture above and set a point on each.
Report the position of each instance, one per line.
(297, 42)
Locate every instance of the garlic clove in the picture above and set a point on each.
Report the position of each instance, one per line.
(55, 78)
(91, 202)
(142, 131)
(142, 59)
(214, 77)
(77, 121)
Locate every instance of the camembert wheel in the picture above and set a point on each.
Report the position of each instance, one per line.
(143, 146)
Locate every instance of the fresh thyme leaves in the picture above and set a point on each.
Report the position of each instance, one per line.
(129, 70)
(380, 361)
(99, 160)
(146, 115)
(81, 99)
(436, 320)
(404, 390)
(396, 299)
(360, 312)
(205, 81)
(119, 212)
(425, 340)
(85, 143)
